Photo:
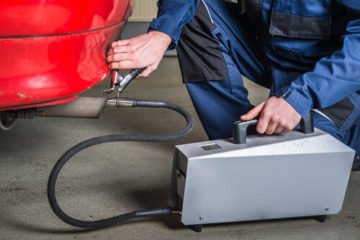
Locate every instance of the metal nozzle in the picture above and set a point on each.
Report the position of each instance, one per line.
(116, 78)
(120, 82)
(120, 102)
(176, 212)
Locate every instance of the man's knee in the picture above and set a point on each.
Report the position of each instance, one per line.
(350, 137)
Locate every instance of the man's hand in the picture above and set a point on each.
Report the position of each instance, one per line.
(275, 116)
(143, 51)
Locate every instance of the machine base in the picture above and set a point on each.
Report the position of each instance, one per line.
(321, 219)
(198, 228)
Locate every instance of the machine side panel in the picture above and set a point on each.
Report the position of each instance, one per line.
(178, 178)
(234, 188)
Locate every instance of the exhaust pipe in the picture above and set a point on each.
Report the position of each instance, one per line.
(83, 107)
(7, 121)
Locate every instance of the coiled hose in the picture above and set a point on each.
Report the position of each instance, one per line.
(103, 223)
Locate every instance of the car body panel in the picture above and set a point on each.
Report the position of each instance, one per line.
(52, 50)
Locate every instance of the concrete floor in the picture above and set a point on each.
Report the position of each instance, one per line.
(116, 178)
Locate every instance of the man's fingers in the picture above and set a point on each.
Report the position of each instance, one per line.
(263, 122)
(148, 71)
(276, 116)
(272, 127)
(122, 65)
(118, 57)
(110, 52)
(122, 49)
(279, 129)
(120, 43)
(253, 113)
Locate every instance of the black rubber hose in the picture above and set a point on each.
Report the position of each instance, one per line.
(103, 223)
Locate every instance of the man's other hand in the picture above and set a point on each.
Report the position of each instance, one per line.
(143, 51)
(275, 116)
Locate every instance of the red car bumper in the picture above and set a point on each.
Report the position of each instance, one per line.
(52, 50)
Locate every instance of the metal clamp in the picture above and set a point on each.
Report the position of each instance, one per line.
(116, 78)
(119, 82)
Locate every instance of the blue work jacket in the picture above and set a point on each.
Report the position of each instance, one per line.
(319, 38)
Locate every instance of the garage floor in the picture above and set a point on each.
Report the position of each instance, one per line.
(116, 178)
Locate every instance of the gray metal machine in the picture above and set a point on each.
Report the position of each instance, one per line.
(297, 174)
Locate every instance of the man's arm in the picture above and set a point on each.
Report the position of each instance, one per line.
(172, 17)
(334, 78)
(147, 50)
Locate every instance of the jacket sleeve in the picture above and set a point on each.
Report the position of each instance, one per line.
(172, 17)
(334, 77)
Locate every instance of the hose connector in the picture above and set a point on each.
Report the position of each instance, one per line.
(124, 82)
(119, 83)
(114, 83)
(121, 102)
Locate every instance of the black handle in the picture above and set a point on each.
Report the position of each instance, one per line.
(240, 129)
(307, 124)
(136, 72)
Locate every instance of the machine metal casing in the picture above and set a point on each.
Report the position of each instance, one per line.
(269, 177)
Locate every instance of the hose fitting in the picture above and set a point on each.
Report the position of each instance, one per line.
(121, 102)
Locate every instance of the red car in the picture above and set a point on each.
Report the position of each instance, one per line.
(52, 50)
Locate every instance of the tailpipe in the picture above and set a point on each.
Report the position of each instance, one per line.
(83, 107)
